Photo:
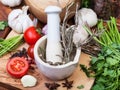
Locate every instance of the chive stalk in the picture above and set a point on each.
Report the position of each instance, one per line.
(7, 45)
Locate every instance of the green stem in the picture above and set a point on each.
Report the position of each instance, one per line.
(10, 43)
(94, 36)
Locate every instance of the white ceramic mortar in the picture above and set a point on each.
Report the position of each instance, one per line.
(54, 72)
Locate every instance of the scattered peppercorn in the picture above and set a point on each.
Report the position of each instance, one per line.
(22, 53)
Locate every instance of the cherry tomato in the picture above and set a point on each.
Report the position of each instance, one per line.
(31, 35)
(30, 51)
(17, 67)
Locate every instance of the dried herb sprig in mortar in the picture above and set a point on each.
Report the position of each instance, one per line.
(67, 35)
(67, 31)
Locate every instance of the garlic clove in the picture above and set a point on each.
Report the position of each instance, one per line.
(17, 26)
(28, 81)
(80, 35)
(14, 14)
(27, 23)
(44, 29)
(35, 22)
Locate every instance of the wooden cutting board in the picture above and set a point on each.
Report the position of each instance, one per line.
(9, 83)
(4, 11)
(78, 76)
(37, 7)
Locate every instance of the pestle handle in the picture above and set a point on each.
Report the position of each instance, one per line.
(53, 48)
(53, 22)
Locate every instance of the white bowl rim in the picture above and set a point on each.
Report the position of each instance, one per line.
(76, 60)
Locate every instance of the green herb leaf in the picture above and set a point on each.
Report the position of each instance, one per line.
(3, 24)
(98, 87)
(111, 61)
(107, 64)
(86, 3)
(84, 68)
(80, 87)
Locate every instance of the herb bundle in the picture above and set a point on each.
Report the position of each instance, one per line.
(6, 45)
(106, 65)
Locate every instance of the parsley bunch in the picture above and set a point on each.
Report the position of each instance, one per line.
(107, 69)
(106, 65)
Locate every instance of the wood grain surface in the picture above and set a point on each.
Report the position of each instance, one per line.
(9, 83)
(78, 76)
(37, 7)
(4, 11)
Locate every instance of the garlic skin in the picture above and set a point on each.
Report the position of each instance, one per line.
(18, 20)
(80, 35)
(44, 29)
(87, 15)
(28, 81)
(11, 3)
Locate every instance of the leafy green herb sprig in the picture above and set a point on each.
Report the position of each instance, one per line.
(3, 24)
(107, 64)
(86, 3)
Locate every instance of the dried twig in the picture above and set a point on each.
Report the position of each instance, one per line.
(67, 36)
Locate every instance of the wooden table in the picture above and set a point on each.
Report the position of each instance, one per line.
(6, 81)
(4, 11)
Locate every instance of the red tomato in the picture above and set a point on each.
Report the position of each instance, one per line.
(30, 51)
(31, 35)
(17, 67)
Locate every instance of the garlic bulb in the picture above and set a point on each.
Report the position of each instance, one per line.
(87, 15)
(11, 3)
(84, 16)
(80, 35)
(18, 20)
